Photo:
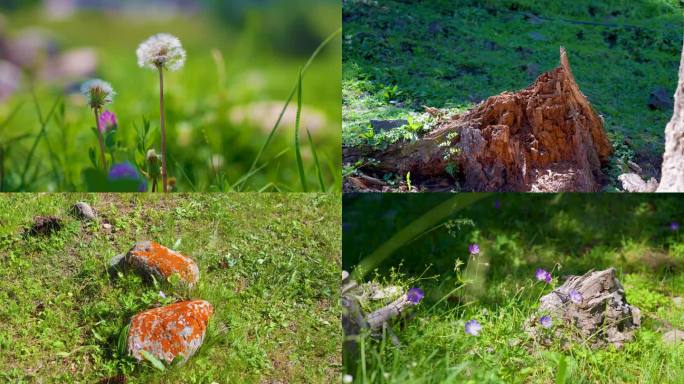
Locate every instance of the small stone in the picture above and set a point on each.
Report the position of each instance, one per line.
(386, 125)
(435, 28)
(107, 227)
(167, 332)
(116, 264)
(677, 301)
(660, 98)
(537, 36)
(149, 258)
(533, 19)
(673, 337)
(83, 210)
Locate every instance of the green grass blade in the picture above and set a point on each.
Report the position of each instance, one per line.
(289, 99)
(298, 152)
(41, 134)
(318, 165)
(153, 360)
(241, 181)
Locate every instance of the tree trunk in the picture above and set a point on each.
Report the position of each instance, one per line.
(546, 137)
(673, 160)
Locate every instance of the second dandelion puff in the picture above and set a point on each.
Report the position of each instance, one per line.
(98, 94)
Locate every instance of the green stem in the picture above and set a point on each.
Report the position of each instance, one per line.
(163, 129)
(100, 140)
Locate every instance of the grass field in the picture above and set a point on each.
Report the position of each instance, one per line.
(399, 56)
(565, 234)
(220, 107)
(269, 265)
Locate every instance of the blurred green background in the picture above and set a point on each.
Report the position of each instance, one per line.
(243, 62)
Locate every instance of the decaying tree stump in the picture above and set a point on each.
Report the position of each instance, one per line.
(599, 316)
(546, 137)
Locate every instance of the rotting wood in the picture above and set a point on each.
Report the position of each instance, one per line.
(546, 137)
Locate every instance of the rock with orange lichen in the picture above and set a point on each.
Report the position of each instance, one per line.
(176, 330)
(149, 258)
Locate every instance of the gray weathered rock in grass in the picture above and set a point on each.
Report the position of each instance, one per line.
(660, 98)
(601, 317)
(150, 259)
(83, 211)
(673, 336)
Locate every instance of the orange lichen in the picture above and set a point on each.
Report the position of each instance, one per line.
(166, 332)
(165, 261)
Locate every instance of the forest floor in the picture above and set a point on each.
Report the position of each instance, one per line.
(517, 234)
(401, 56)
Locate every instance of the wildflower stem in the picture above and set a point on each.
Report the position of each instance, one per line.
(100, 139)
(163, 129)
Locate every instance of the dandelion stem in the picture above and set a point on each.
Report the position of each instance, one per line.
(100, 139)
(163, 129)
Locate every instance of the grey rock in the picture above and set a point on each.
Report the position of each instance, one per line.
(660, 98)
(677, 301)
(536, 36)
(83, 210)
(386, 125)
(116, 264)
(533, 19)
(673, 336)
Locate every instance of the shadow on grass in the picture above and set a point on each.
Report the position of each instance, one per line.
(517, 232)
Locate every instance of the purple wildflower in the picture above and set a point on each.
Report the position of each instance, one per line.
(472, 327)
(162, 294)
(415, 295)
(575, 297)
(545, 321)
(474, 249)
(674, 226)
(543, 275)
(106, 122)
(126, 171)
(497, 204)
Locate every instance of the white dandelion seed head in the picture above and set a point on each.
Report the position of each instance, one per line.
(98, 93)
(161, 51)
